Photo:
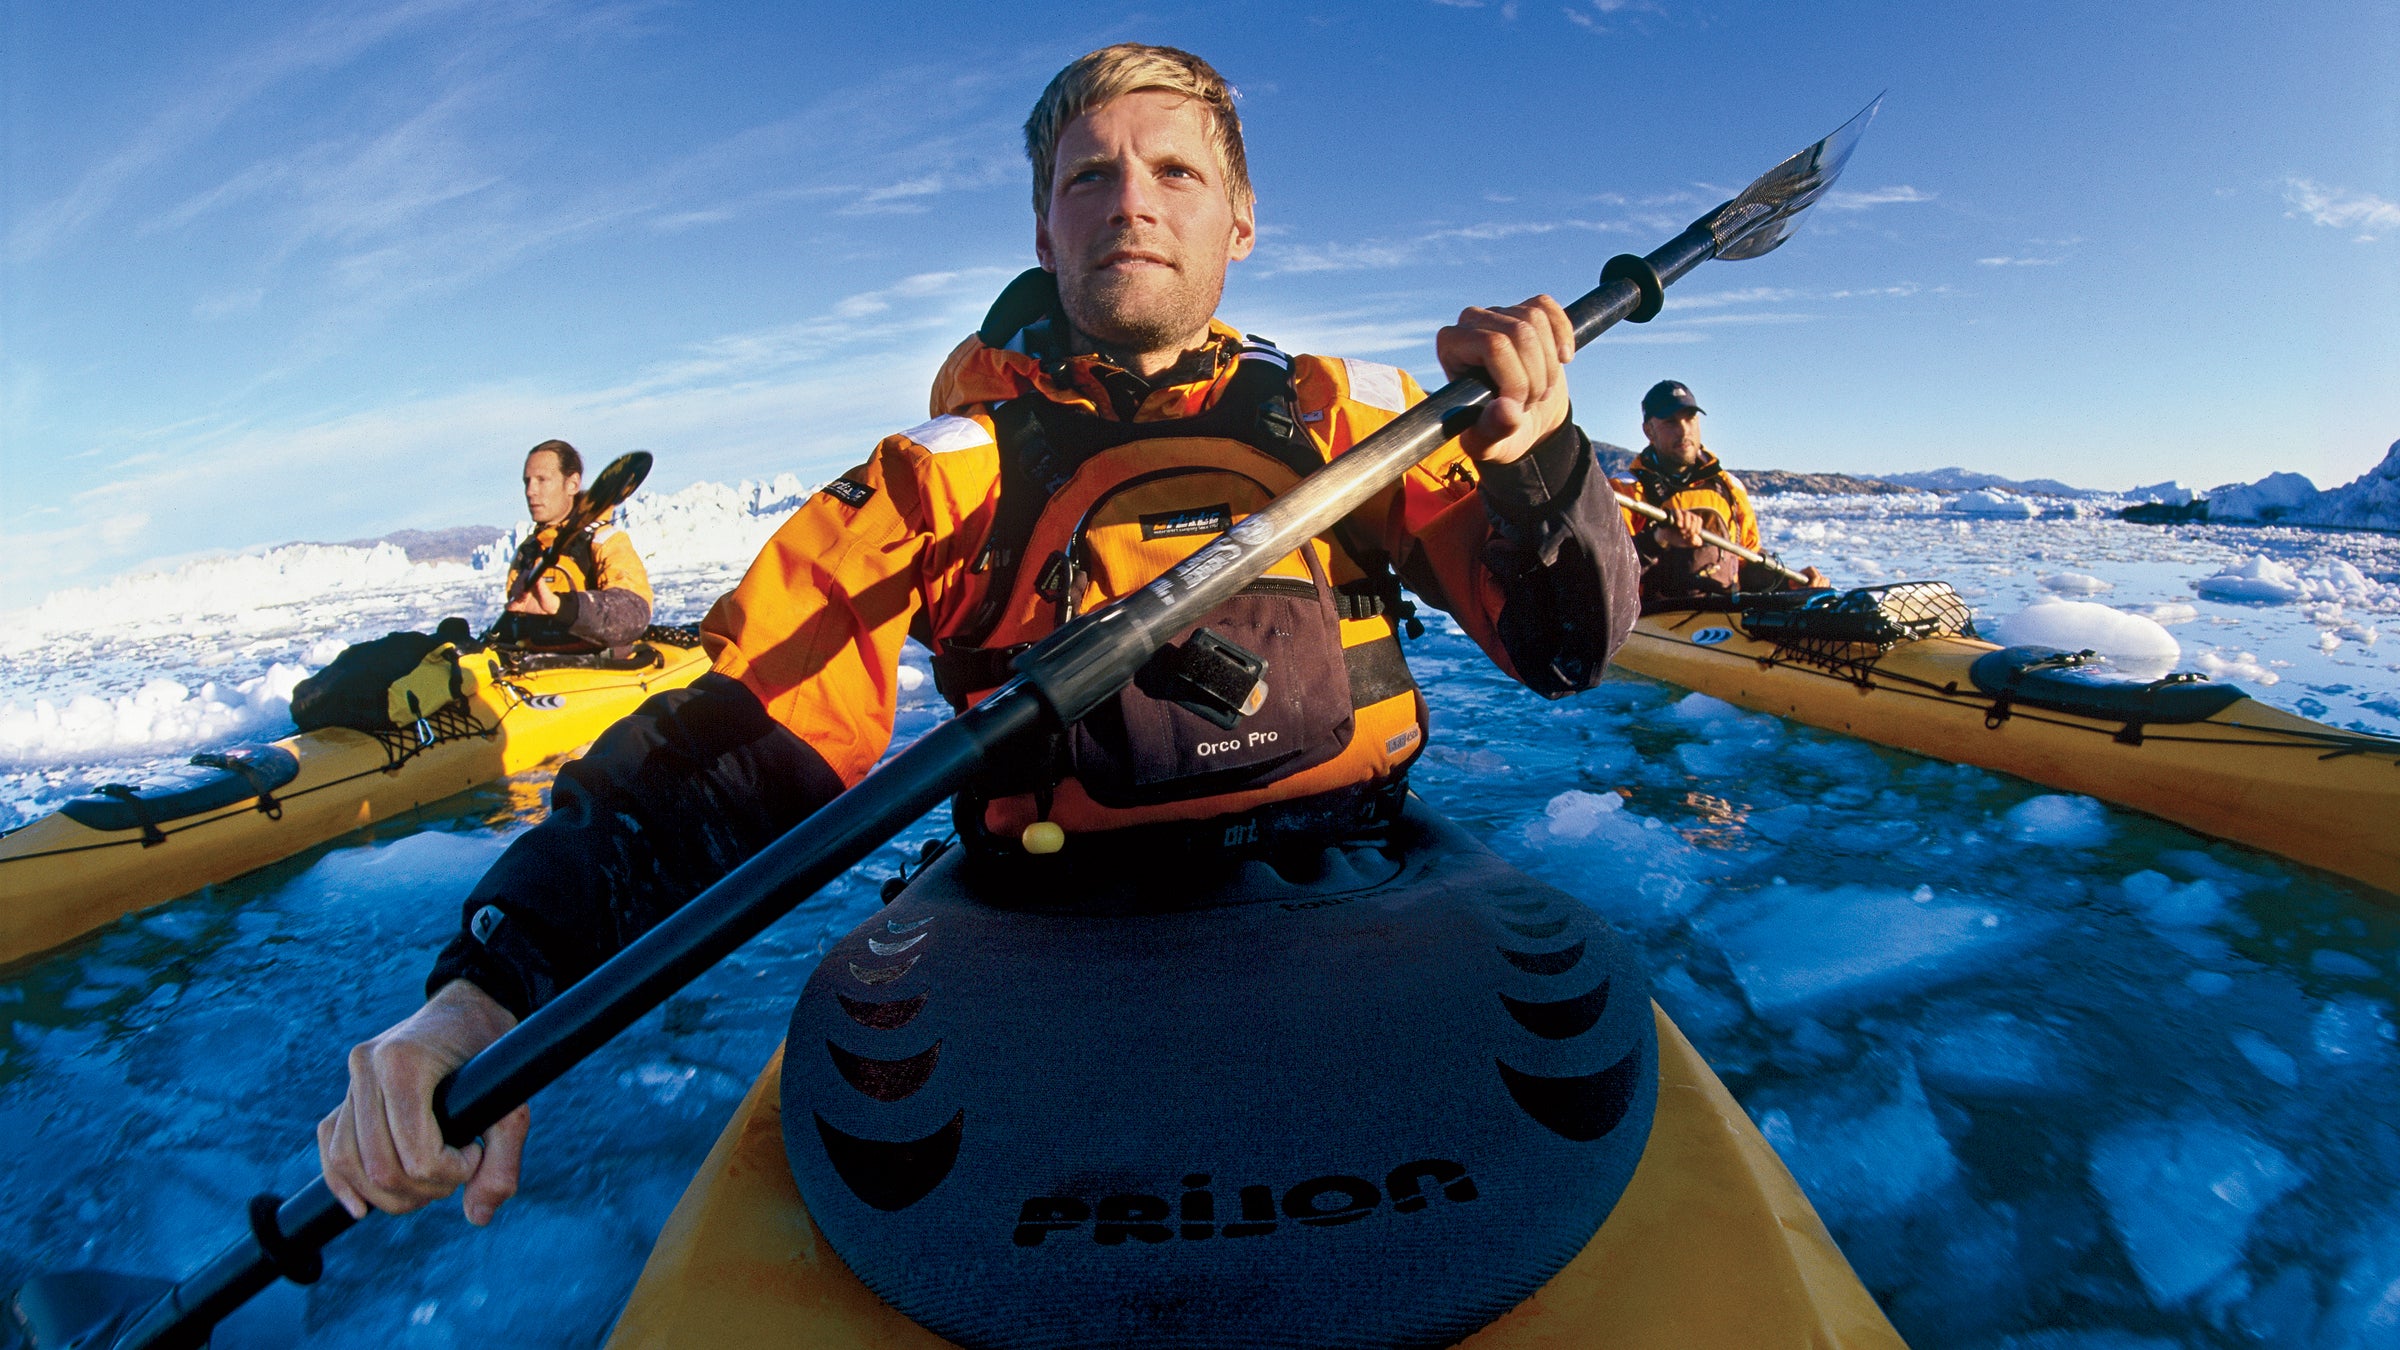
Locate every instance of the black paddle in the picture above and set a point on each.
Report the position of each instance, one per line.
(607, 492)
(1059, 681)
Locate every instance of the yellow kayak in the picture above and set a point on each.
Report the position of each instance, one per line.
(1664, 1221)
(1712, 1246)
(129, 846)
(2201, 755)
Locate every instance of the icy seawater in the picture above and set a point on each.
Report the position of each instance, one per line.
(2057, 1076)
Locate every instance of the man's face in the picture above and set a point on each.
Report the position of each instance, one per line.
(1677, 438)
(1142, 223)
(549, 494)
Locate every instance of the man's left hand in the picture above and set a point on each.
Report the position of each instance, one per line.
(1523, 350)
(540, 600)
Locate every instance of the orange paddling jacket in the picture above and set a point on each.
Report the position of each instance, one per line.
(1043, 486)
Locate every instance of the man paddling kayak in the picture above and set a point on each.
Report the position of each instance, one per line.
(595, 595)
(1099, 428)
(1676, 473)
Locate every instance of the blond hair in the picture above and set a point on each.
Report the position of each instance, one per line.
(1111, 72)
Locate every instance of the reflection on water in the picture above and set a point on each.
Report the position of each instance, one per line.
(2042, 1065)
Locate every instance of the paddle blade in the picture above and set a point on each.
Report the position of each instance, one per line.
(1759, 220)
(76, 1309)
(615, 484)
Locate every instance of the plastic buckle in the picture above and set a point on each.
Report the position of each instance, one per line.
(1214, 678)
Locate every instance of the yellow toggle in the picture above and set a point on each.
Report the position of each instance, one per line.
(1043, 836)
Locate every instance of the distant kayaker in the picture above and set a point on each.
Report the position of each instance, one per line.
(1101, 426)
(596, 595)
(1677, 474)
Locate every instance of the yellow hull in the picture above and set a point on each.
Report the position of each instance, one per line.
(1711, 1246)
(2251, 773)
(60, 879)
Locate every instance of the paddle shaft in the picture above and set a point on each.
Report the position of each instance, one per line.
(1707, 537)
(1059, 681)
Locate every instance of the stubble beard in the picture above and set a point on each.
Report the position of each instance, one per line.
(1146, 314)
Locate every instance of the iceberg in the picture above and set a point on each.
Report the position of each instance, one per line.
(1992, 502)
(2272, 498)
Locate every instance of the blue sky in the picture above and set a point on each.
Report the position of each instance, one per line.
(315, 271)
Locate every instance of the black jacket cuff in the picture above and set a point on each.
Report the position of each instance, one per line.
(1536, 484)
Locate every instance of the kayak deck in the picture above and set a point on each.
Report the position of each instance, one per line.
(2248, 772)
(1711, 1245)
(60, 878)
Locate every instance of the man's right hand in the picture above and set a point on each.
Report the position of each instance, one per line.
(1681, 528)
(381, 1147)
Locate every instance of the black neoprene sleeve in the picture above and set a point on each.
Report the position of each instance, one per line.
(666, 801)
(1569, 578)
(612, 617)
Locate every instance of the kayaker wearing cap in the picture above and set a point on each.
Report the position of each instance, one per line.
(1099, 427)
(596, 595)
(1677, 474)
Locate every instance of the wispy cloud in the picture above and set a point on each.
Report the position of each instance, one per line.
(2341, 208)
(811, 397)
(1428, 246)
(2008, 260)
(330, 41)
(1843, 200)
(1592, 15)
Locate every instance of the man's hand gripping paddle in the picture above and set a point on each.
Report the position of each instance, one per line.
(607, 492)
(1711, 537)
(1069, 674)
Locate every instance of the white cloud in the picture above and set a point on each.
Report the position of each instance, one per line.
(1841, 200)
(2341, 208)
(2005, 260)
(1369, 255)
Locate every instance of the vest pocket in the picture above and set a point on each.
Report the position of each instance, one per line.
(1143, 747)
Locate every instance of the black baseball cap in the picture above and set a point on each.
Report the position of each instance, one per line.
(1669, 398)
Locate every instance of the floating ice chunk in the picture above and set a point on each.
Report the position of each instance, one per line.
(2182, 1196)
(2058, 821)
(1988, 502)
(1993, 1055)
(1702, 1012)
(2173, 611)
(1574, 815)
(2075, 583)
(2327, 961)
(1858, 1164)
(1782, 824)
(1700, 709)
(1796, 948)
(1626, 865)
(2241, 666)
(2351, 1030)
(2138, 645)
(2364, 1311)
(2171, 906)
(2266, 1057)
(2261, 580)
